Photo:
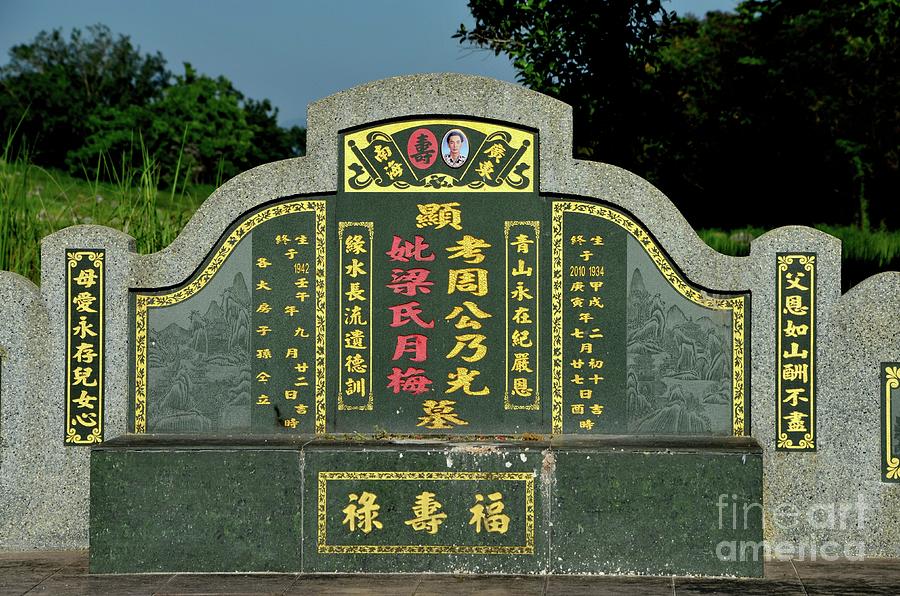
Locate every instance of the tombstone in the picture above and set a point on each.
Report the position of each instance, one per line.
(440, 344)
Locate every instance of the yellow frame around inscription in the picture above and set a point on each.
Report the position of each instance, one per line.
(370, 227)
(97, 260)
(486, 128)
(144, 302)
(808, 442)
(536, 226)
(417, 549)
(891, 381)
(735, 304)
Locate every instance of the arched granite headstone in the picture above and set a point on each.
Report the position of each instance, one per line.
(440, 343)
(442, 301)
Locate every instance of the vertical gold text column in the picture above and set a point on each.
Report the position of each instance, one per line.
(355, 315)
(522, 315)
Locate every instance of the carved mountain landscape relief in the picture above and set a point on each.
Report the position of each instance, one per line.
(198, 359)
(679, 357)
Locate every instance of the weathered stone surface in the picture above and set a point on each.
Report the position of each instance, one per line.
(27, 479)
(47, 482)
(64, 572)
(657, 512)
(611, 505)
(223, 510)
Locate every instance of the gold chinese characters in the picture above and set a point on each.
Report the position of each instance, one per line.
(796, 352)
(284, 327)
(361, 515)
(522, 315)
(355, 324)
(584, 308)
(84, 347)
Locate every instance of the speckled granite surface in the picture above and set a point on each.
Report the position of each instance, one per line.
(47, 483)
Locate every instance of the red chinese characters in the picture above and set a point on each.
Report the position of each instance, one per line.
(422, 148)
(411, 346)
(411, 281)
(403, 250)
(412, 380)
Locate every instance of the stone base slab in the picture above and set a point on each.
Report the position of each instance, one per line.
(611, 505)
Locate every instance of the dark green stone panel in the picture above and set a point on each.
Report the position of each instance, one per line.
(481, 405)
(220, 510)
(205, 339)
(658, 513)
(680, 357)
(456, 547)
(283, 324)
(199, 377)
(618, 506)
(594, 314)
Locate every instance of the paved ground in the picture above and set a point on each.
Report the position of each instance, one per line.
(65, 573)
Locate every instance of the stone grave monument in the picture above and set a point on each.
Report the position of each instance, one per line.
(439, 343)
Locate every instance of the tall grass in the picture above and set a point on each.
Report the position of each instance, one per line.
(733, 242)
(864, 252)
(21, 215)
(881, 247)
(35, 202)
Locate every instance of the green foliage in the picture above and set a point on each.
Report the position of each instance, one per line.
(271, 142)
(864, 252)
(785, 108)
(788, 107)
(880, 248)
(94, 97)
(593, 55)
(56, 82)
(20, 238)
(36, 201)
(733, 242)
(198, 117)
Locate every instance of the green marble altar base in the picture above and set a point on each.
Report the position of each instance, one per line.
(573, 505)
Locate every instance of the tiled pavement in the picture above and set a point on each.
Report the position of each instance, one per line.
(65, 573)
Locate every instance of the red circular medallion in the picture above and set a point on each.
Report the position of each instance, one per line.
(422, 148)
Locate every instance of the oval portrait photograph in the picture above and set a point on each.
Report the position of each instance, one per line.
(455, 148)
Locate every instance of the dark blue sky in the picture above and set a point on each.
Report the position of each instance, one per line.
(290, 52)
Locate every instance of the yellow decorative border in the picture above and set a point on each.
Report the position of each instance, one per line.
(96, 257)
(518, 137)
(144, 302)
(809, 265)
(556, 320)
(536, 226)
(321, 309)
(891, 461)
(322, 517)
(734, 304)
(370, 226)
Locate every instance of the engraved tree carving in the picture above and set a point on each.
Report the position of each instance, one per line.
(199, 335)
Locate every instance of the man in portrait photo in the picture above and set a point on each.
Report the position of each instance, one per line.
(456, 148)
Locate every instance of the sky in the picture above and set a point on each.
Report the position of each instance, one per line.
(291, 52)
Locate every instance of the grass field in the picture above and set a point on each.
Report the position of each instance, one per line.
(35, 202)
(864, 253)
